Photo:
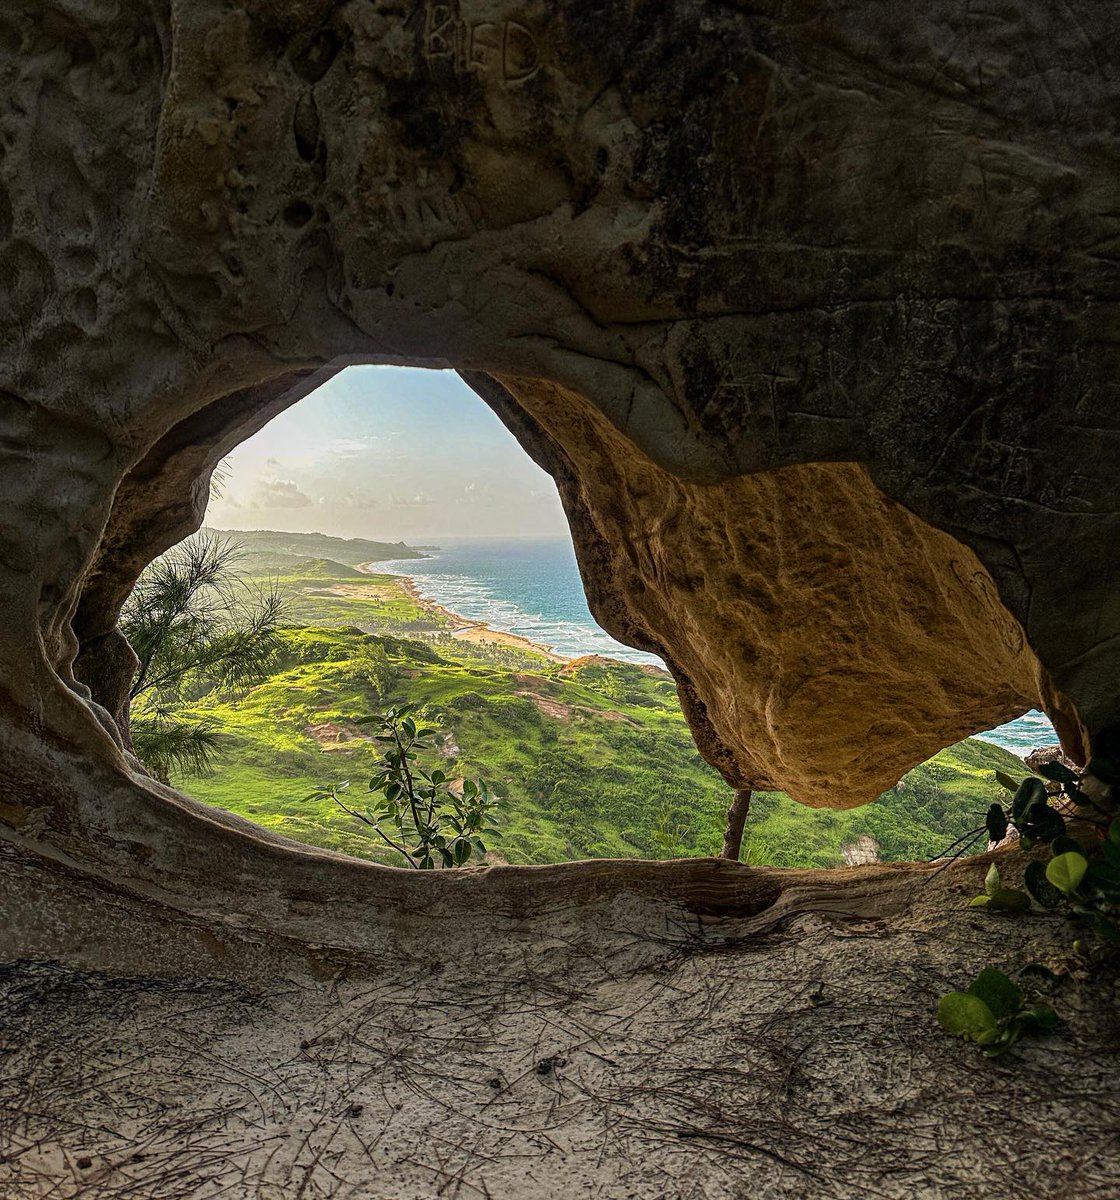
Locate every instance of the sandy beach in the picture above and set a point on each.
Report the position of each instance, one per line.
(463, 628)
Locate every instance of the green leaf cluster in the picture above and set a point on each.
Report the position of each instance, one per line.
(992, 1013)
(197, 627)
(1087, 885)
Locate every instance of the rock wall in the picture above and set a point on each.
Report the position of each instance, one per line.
(748, 241)
(811, 310)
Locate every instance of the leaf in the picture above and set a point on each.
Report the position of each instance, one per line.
(1104, 878)
(965, 1015)
(1001, 996)
(1043, 823)
(1114, 831)
(1009, 900)
(1077, 796)
(1039, 1016)
(1107, 930)
(1039, 971)
(991, 881)
(1002, 1044)
(996, 823)
(1058, 772)
(1065, 845)
(1030, 792)
(980, 901)
(1007, 781)
(1066, 871)
(1034, 877)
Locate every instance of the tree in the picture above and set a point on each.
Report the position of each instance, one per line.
(196, 626)
(736, 819)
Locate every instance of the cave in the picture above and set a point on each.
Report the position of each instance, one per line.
(811, 315)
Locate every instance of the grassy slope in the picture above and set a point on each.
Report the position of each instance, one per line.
(268, 549)
(593, 760)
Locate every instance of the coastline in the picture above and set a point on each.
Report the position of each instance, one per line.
(464, 629)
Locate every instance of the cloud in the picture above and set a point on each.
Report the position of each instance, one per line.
(417, 501)
(352, 447)
(279, 493)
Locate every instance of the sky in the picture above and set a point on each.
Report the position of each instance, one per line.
(389, 453)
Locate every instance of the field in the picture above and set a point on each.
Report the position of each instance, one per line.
(591, 758)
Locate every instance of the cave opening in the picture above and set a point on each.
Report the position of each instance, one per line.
(422, 558)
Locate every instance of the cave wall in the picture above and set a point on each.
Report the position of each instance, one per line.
(710, 250)
(811, 309)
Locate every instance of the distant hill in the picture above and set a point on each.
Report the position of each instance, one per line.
(270, 549)
(324, 568)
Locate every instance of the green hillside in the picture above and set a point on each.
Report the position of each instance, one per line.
(319, 592)
(591, 759)
(269, 549)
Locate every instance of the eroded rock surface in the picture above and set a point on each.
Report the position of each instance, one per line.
(812, 312)
(797, 605)
(749, 241)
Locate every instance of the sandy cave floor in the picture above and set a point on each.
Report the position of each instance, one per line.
(795, 1062)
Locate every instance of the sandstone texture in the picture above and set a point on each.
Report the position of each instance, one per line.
(733, 244)
(811, 310)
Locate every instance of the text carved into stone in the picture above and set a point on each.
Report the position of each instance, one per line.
(501, 50)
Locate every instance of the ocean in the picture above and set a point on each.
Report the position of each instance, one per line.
(531, 587)
(527, 586)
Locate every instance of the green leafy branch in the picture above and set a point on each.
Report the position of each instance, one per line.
(415, 811)
(1083, 880)
(1086, 882)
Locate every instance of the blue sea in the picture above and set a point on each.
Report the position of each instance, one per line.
(527, 586)
(531, 587)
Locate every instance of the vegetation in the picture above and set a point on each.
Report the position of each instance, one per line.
(1081, 877)
(435, 825)
(1083, 872)
(993, 1013)
(590, 759)
(270, 550)
(197, 628)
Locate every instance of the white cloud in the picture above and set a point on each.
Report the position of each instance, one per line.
(352, 447)
(279, 493)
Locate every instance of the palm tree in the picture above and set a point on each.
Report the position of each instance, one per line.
(197, 627)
